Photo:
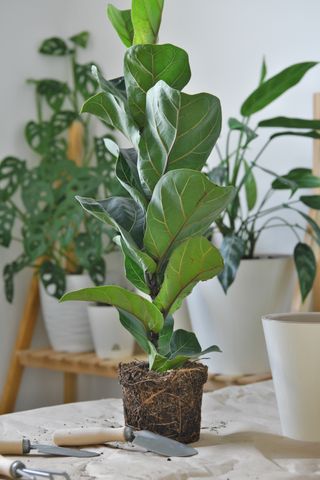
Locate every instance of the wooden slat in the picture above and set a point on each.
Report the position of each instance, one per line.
(70, 381)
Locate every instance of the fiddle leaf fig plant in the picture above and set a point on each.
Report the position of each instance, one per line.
(248, 215)
(161, 228)
(37, 202)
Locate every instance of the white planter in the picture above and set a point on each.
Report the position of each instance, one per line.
(293, 346)
(233, 322)
(110, 338)
(67, 324)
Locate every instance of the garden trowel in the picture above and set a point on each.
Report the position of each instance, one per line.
(148, 440)
(22, 446)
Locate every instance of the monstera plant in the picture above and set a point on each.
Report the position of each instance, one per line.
(161, 227)
(37, 202)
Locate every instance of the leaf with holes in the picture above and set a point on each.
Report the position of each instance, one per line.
(85, 81)
(10, 270)
(232, 251)
(122, 299)
(60, 121)
(86, 246)
(97, 269)
(53, 278)
(39, 136)
(146, 18)
(54, 46)
(37, 196)
(7, 218)
(184, 204)
(113, 112)
(81, 39)
(34, 241)
(180, 132)
(306, 266)
(54, 92)
(11, 172)
(145, 65)
(121, 21)
(194, 260)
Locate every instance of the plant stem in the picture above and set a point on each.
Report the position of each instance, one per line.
(74, 92)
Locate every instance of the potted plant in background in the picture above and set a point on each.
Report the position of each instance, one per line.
(52, 227)
(262, 284)
(161, 227)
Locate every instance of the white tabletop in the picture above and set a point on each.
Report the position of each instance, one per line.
(240, 439)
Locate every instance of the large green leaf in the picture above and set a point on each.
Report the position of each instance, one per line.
(232, 250)
(11, 172)
(194, 260)
(95, 208)
(184, 204)
(302, 178)
(312, 201)
(145, 65)
(306, 267)
(136, 328)
(181, 131)
(274, 87)
(121, 21)
(165, 336)
(250, 187)
(109, 86)
(134, 271)
(54, 46)
(289, 122)
(130, 302)
(114, 112)
(146, 19)
(7, 218)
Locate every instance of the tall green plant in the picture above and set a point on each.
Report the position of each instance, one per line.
(248, 216)
(37, 203)
(161, 227)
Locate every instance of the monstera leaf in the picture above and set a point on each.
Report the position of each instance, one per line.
(145, 65)
(54, 46)
(53, 278)
(195, 260)
(85, 81)
(184, 204)
(146, 19)
(7, 218)
(11, 173)
(81, 39)
(180, 132)
(130, 302)
(9, 272)
(54, 92)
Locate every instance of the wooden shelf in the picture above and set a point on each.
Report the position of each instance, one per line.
(79, 363)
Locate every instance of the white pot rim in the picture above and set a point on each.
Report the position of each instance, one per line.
(307, 318)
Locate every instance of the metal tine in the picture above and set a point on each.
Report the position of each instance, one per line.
(31, 474)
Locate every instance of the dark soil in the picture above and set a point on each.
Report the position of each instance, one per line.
(167, 403)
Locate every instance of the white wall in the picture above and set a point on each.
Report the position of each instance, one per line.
(225, 39)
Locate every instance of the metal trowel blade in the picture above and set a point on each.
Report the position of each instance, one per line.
(162, 445)
(64, 452)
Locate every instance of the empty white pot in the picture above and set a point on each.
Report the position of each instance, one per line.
(110, 338)
(293, 341)
(67, 324)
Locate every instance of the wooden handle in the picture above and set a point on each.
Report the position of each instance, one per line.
(88, 436)
(5, 466)
(12, 447)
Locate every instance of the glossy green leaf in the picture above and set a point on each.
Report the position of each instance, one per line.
(121, 21)
(136, 328)
(146, 19)
(135, 274)
(184, 204)
(181, 131)
(53, 278)
(312, 201)
(310, 134)
(250, 187)
(145, 65)
(109, 86)
(274, 87)
(11, 172)
(289, 122)
(306, 266)
(85, 81)
(114, 112)
(130, 302)
(54, 46)
(302, 178)
(235, 124)
(232, 251)
(81, 39)
(7, 218)
(194, 260)
(165, 336)
(60, 121)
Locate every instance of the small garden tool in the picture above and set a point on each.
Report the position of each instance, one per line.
(142, 438)
(22, 446)
(15, 469)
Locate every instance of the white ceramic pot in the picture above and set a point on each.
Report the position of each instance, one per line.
(233, 322)
(67, 324)
(110, 338)
(293, 346)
